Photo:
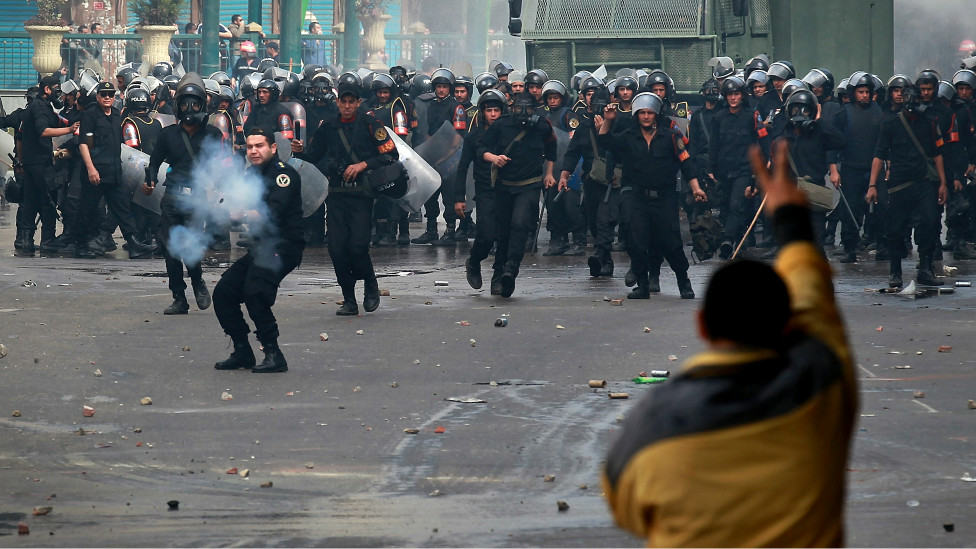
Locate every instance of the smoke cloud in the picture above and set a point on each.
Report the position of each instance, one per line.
(928, 34)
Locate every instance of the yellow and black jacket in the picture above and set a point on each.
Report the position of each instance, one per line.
(746, 447)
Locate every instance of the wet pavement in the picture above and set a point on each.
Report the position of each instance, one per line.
(324, 445)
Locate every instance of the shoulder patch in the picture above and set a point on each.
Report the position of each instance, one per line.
(283, 180)
(380, 134)
(573, 123)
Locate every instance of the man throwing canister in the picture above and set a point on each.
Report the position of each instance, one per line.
(345, 148)
(277, 244)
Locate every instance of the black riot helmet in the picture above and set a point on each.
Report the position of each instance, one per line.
(722, 67)
(226, 94)
(782, 70)
(820, 78)
(191, 100)
(420, 85)
(399, 74)
(555, 87)
(536, 76)
(946, 91)
(442, 76)
(756, 77)
(271, 86)
(467, 82)
(590, 83)
(842, 88)
(322, 85)
(503, 68)
(858, 79)
(308, 71)
(927, 76)
(626, 82)
(265, 64)
(485, 81)
(792, 85)
(647, 101)
(290, 86)
(757, 63)
(221, 78)
(898, 81)
(733, 84)
(492, 98)
(578, 79)
(162, 69)
(350, 78)
(601, 98)
(879, 86)
(127, 75)
(137, 100)
(657, 76)
(383, 81)
(912, 100)
(710, 90)
(964, 77)
(801, 107)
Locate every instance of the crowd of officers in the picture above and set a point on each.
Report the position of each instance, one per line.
(897, 151)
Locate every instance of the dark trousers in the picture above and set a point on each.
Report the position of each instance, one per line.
(854, 185)
(118, 198)
(876, 216)
(915, 207)
(315, 227)
(37, 199)
(255, 284)
(602, 215)
(349, 221)
(486, 227)
(655, 233)
(738, 210)
(516, 213)
(564, 213)
(176, 213)
(432, 208)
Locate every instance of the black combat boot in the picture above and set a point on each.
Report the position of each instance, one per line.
(472, 272)
(138, 250)
(388, 236)
(925, 275)
(49, 244)
(496, 283)
(83, 251)
(684, 286)
(107, 242)
(894, 270)
(19, 241)
(850, 254)
(349, 306)
(607, 268)
(201, 294)
(430, 235)
(654, 283)
(595, 265)
(578, 247)
(642, 291)
(961, 251)
(507, 282)
(630, 278)
(178, 307)
(273, 362)
(558, 245)
(27, 239)
(882, 254)
(448, 239)
(403, 239)
(242, 357)
(371, 294)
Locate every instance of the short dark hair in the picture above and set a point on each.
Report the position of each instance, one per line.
(189, 28)
(49, 82)
(235, 17)
(267, 131)
(273, 45)
(312, 24)
(748, 303)
(93, 25)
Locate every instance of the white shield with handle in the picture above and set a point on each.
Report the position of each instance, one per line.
(423, 179)
(134, 164)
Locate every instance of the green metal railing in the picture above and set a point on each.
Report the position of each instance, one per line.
(104, 53)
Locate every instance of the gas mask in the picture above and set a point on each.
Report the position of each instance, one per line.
(190, 110)
(912, 101)
(57, 98)
(324, 93)
(802, 118)
(524, 114)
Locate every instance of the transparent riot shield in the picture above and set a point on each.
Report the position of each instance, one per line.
(423, 179)
(442, 151)
(134, 164)
(6, 150)
(284, 146)
(315, 186)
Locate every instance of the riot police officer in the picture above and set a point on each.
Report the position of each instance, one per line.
(277, 243)
(392, 112)
(140, 131)
(181, 145)
(565, 214)
(267, 111)
(652, 153)
(522, 149)
(345, 148)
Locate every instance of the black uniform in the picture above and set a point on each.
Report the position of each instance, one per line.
(102, 133)
(439, 111)
(392, 114)
(140, 131)
(698, 147)
(862, 125)
(178, 203)
(13, 120)
(650, 170)
(959, 217)
(316, 113)
(38, 163)
(912, 194)
(564, 212)
(274, 115)
(350, 204)
(728, 160)
(518, 184)
(486, 228)
(601, 192)
(276, 249)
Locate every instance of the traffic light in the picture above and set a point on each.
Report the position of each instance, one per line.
(515, 17)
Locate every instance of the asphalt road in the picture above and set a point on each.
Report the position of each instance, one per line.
(328, 435)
